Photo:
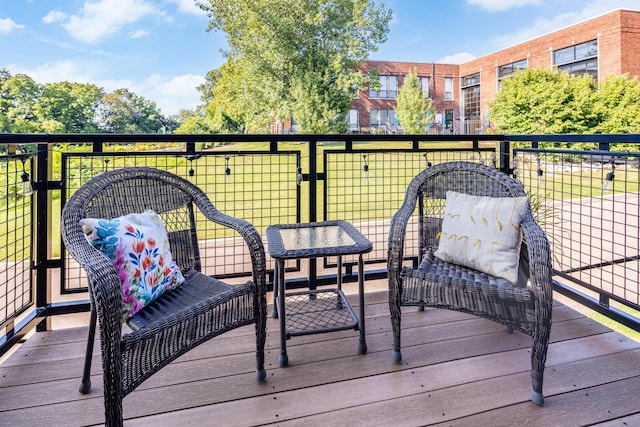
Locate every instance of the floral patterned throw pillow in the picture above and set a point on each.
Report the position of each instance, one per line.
(138, 246)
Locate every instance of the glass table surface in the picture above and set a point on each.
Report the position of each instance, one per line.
(315, 239)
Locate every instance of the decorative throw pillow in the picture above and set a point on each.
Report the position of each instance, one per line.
(483, 233)
(138, 247)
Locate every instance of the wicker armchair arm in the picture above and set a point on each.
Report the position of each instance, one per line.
(539, 260)
(249, 234)
(397, 234)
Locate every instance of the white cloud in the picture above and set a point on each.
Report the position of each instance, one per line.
(59, 71)
(103, 18)
(7, 25)
(502, 5)
(456, 58)
(138, 34)
(54, 16)
(189, 6)
(170, 93)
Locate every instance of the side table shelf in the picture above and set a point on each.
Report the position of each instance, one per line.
(316, 311)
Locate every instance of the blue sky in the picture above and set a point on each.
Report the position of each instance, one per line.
(159, 49)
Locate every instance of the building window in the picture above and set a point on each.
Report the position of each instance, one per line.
(448, 88)
(294, 126)
(354, 125)
(382, 118)
(471, 96)
(508, 69)
(471, 80)
(388, 88)
(578, 59)
(424, 84)
(447, 120)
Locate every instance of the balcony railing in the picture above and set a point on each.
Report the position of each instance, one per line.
(591, 216)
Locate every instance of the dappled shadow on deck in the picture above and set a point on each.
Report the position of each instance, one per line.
(457, 370)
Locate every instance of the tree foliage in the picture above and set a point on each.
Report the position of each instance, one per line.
(618, 105)
(296, 57)
(66, 107)
(413, 109)
(18, 96)
(69, 107)
(236, 105)
(122, 111)
(541, 101)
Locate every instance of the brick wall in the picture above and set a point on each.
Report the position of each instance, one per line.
(617, 32)
(618, 35)
(435, 72)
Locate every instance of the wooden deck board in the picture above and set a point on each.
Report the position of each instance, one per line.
(456, 370)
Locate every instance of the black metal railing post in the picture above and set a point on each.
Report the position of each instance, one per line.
(504, 162)
(42, 241)
(313, 200)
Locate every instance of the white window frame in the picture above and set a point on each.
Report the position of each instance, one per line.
(448, 88)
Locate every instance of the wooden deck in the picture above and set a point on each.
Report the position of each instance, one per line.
(457, 370)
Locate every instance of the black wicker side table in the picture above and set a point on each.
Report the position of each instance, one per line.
(315, 311)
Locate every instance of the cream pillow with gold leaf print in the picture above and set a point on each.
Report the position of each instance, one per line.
(483, 233)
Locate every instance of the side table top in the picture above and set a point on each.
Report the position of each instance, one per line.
(315, 239)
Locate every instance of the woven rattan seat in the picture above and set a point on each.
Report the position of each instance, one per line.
(201, 308)
(525, 306)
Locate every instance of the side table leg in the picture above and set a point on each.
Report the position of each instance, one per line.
(339, 283)
(362, 345)
(284, 359)
(276, 285)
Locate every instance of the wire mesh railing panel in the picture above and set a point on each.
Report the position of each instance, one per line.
(259, 187)
(368, 188)
(16, 236)
(590, 212)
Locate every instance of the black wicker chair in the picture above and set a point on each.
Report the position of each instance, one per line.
(201, 308)
(436, 283)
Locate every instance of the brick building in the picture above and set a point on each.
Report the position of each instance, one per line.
(607, 44)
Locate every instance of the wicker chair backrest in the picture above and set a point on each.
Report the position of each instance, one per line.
(135, 190)
(470, 178)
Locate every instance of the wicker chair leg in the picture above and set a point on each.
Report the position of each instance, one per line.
(537, 398)
(261, 373)
(394, 307)
(538, 359)
(261, 337)
(85, 384)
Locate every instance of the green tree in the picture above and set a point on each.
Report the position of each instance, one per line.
(194, 122)
(18, 96)
(618, 105)
(122, 111)
(298, 55)
(72, 105)
(413, 109)
(4, 120)
(206, 88)
(237, 103)
(541, 101)
(319, 105)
